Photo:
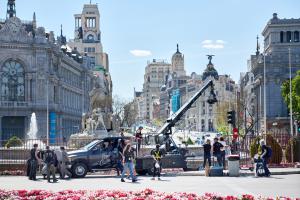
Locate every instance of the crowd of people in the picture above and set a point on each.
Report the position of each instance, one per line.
(52, 160)
(123, 155)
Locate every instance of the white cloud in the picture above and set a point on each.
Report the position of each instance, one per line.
(209, 44)
(140, 53)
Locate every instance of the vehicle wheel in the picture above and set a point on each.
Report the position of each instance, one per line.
(185, 169)
(79, 170)
(141, 172)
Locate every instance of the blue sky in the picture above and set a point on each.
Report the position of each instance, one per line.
(156, 26)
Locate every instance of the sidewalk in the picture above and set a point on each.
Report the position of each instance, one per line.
(274, 171)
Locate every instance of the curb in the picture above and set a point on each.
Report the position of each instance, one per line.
(242, 174)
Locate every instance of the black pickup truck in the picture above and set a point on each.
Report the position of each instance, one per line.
(95, 156)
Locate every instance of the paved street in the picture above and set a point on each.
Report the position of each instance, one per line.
(284, 185)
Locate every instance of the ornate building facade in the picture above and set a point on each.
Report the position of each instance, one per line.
(87, 41)
(281, 40)
(39, 75)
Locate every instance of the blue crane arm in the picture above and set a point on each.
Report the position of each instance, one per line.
(171, 121)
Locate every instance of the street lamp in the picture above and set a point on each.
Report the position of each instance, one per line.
(47, 103)
(265, 107)
(291, 107)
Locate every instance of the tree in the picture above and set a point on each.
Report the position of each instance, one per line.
(221, 119)
(285, 91)
(124, 113)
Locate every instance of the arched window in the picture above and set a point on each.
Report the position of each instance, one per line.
(296, 36)
(12, 81)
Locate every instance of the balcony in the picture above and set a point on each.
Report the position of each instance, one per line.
(14, 104)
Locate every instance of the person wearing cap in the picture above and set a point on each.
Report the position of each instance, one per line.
(157, 155)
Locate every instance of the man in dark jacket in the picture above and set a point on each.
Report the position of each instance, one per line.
(217, 151)
(51, 163)
(33, 163)
(265, 157)
(207, 154)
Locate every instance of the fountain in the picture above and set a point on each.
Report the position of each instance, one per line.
(32, 134)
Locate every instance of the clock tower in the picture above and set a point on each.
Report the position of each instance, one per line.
(87, 35)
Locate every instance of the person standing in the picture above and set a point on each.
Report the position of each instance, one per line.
(120, 147)
(207, 154)
(34, 161)
(157, 155)
(128, 157)
(51, 161)
(139, 137)
(58, 155)
(217, 150)
(223, 151)
(63, 163)
(265, 156)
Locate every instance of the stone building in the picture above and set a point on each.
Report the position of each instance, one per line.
(154, 78)
(38, 72)
(204, 116)
(280, 35)
(87, 41)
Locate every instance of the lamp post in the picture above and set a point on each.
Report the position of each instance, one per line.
(47, 105)
(265, 107)
(291, 107)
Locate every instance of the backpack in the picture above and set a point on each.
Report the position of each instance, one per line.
(269, 152)
(49, 157)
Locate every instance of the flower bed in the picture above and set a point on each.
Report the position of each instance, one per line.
(12, 173)
(146, 194)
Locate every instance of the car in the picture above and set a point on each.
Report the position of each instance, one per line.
(96, 156)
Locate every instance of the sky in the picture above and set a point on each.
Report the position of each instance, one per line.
(135, 31)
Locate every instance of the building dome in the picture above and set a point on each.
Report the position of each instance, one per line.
(210, 70)
(177, 54)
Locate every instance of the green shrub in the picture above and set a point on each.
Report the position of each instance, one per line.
(254, 147)
(14, 142)
(296, 149)
(275, 146)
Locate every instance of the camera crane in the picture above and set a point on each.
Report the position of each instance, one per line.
(175, 157)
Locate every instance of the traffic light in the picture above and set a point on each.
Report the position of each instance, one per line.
(231, 117)
(298, 127)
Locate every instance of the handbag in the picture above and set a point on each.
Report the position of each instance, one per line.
(157, 165)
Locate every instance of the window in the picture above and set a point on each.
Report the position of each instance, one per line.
(296, 36)
(92, 59)
(289, 36)
(91, 22)
(210, 125)
(281, 36)
(77, 22)
(202, 125)
(12, 82)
